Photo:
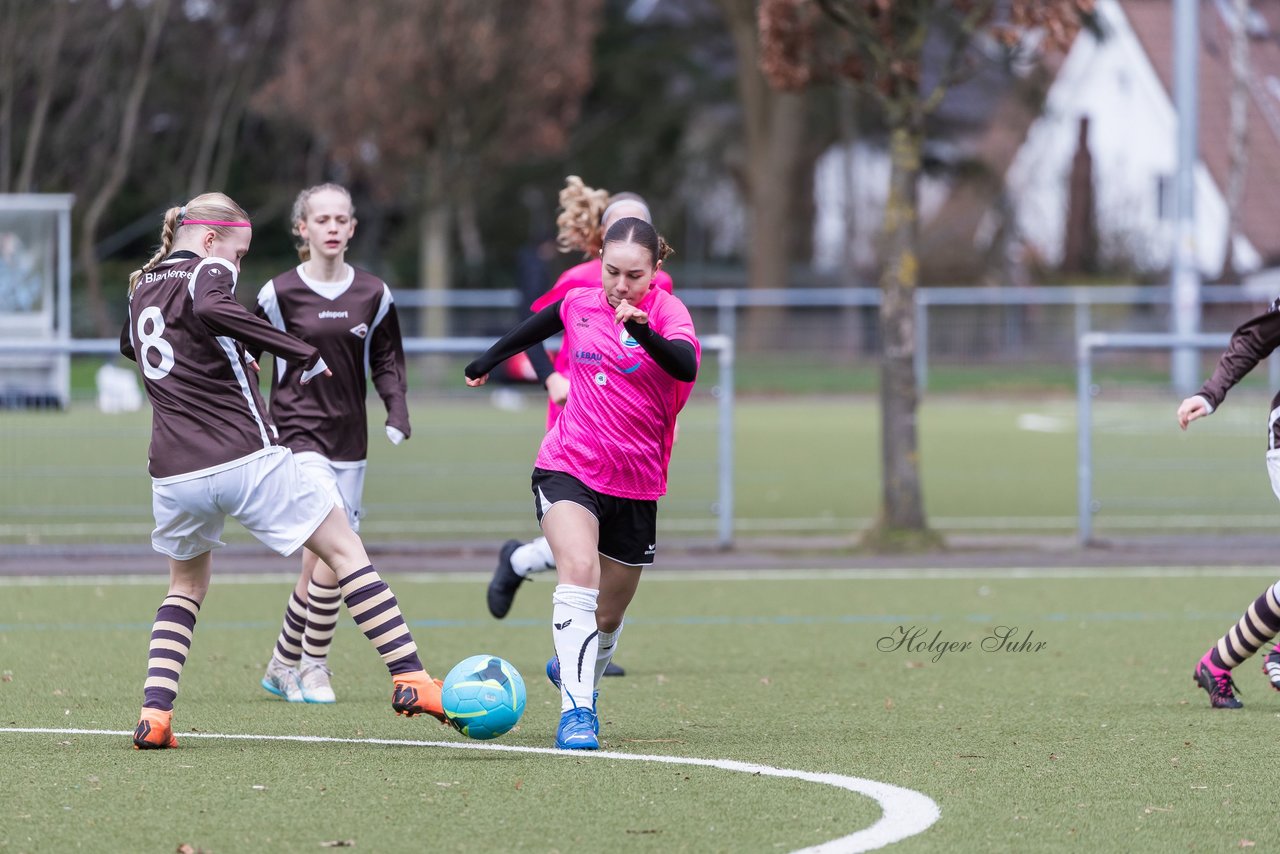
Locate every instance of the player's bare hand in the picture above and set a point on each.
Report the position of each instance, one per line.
(626, 311)
(478, 381)
(1191, 409)
(557, 388)
(253, 363)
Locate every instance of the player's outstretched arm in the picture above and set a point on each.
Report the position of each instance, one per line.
(532, 331)
(216, 307)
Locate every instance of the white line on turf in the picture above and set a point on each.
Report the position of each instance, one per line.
(905, 812)
(1014, 573)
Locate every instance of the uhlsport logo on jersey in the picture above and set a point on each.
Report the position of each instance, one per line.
(360, 331)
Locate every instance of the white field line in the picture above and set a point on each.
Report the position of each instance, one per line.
(905, 812)
(1030, 573)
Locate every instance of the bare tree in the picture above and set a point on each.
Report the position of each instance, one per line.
(774, 124)
(46, 78)
(880, 46)
(429, 94)
(118, 166)
(245, 32)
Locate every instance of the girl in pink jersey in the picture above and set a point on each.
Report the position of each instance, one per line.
(214, 454)
(585, 215)
(349, 315)
(633, 358)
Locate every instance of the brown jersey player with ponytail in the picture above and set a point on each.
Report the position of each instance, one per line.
(214, 454)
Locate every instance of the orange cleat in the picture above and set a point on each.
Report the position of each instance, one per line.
(418, 694)
(154, 731)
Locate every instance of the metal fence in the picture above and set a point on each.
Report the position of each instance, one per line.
(66, 482)
(969, 326)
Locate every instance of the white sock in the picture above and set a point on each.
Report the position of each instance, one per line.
(573, 618)
(533, 557)
(607, 645)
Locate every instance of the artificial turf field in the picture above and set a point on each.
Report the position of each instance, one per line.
(1096, 741)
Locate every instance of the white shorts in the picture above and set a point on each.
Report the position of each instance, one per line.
(270, 495)
(1273, 470)
(343, 480)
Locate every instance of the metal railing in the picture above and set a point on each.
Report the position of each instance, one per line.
(727, 304)
(723, 392)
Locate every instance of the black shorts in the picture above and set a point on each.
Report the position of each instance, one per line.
(628, 526)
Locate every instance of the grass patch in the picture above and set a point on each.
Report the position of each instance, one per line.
(1022, 749)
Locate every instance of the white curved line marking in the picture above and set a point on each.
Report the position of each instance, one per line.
(905, 812)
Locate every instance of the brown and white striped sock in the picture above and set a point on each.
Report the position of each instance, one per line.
(375, 610)
(323, 604)
(288, 649)
(1260, 623)
(170, 642)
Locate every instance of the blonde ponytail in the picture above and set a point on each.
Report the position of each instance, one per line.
(210, 207)
(167, 231)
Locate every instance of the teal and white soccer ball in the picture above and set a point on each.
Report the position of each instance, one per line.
(483, 696)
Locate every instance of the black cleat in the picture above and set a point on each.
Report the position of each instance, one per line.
(612, 669)
(505, 582)
(1217, 682)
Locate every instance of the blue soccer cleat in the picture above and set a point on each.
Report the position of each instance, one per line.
(553, 673)
(577, 730)
(611, 669)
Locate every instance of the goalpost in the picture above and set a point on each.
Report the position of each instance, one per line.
(1157, 478)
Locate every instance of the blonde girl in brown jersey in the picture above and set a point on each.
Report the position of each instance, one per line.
(213, 455)
(324, 222)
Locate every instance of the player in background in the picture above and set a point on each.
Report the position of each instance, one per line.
(1252, 342)
(603, 464)
(214, 454)
(585, 215)
(349, 316)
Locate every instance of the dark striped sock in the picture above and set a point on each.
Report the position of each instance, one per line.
(323, 604)
(376, 612)
(170, 642)
(1260, 623)
(289, 643)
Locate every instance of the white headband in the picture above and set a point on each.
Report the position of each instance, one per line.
(648, 217)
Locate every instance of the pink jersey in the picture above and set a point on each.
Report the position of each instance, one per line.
(586, 275)
(619, 423)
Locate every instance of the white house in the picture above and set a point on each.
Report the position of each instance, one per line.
(1122, 83)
